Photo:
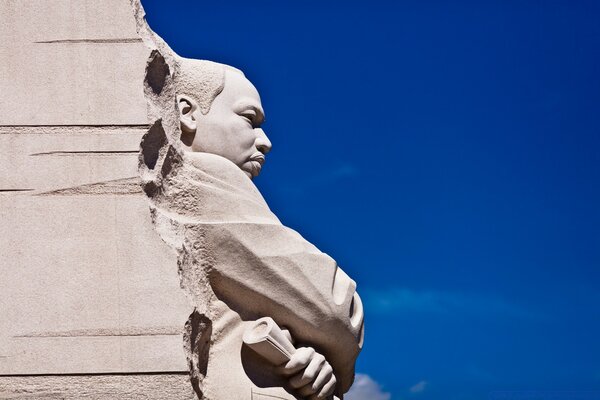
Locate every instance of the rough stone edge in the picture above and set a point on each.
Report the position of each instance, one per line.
(161, 156)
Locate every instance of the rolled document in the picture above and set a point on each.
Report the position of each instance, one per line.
(267, 339)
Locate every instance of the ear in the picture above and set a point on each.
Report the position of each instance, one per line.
(187, 108)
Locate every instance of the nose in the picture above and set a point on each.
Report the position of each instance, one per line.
(262, 142)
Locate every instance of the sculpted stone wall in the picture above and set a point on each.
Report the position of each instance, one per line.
(70, 62)
(86, 285)
(142, 262)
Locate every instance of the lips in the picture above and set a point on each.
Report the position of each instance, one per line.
(259, 157)
(255, 163)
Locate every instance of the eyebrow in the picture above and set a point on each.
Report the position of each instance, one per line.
(244, 104)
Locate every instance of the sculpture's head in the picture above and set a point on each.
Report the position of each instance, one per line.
(220, 113)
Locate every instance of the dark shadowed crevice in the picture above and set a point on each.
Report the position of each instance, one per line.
(157, 71)
(172, 159)
(152, 142)
(150, 188)
(196, 337)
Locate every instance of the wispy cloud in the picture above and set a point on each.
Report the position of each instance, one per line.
(419, 387)
(404, 300)
(365, 388)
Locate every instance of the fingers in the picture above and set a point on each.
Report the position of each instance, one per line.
(288, 335)
(323, 377)
(300, 359)
(326, 392)
(328, 388)
(309, 374)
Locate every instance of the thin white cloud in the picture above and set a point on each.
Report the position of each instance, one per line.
(365, 388)
(403, 300)
(419, 387)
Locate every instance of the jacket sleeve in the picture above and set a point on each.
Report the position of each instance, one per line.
(270, 270)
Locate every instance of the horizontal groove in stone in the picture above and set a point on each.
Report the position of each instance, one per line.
(100, 374)
(87, 152)
(91, 41)
(68, 129)
(122, 331)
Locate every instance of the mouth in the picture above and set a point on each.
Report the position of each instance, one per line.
(258, 157)
(255, 163)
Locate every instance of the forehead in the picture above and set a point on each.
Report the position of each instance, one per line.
(238, 89)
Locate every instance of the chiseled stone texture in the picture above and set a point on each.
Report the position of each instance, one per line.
(98, 387)
(238, 263)
(108, 292)
(46, 158)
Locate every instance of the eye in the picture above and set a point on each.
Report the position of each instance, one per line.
(249, 117)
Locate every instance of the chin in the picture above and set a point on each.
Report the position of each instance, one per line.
(248, 172)
(252, 169)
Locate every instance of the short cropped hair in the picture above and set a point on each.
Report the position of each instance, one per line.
(201, 80)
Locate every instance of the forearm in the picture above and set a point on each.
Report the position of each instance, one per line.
(269, 270)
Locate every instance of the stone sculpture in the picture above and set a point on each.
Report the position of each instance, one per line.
(94, 307)
(248, 276)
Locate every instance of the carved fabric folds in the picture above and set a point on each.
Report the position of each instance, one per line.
(234, 250)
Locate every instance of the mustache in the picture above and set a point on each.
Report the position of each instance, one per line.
(258, 157)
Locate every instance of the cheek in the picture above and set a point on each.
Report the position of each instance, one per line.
(211, 137)
(238, 141)
(240, 135)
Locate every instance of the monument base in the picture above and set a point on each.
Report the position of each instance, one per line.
(98, 387)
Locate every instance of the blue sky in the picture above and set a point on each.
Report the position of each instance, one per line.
(447, 155)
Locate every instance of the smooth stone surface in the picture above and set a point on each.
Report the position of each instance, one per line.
(87, 286)
(98, 387)
(70, 62)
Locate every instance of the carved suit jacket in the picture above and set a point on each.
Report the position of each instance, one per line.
(234, 250)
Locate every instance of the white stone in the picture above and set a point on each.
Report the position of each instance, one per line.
(135, 241)
(238, 263)
(87, 286)
(70, 62)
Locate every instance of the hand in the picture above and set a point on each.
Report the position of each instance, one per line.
(310, 374)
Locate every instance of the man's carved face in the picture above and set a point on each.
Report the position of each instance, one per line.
(231, 128)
